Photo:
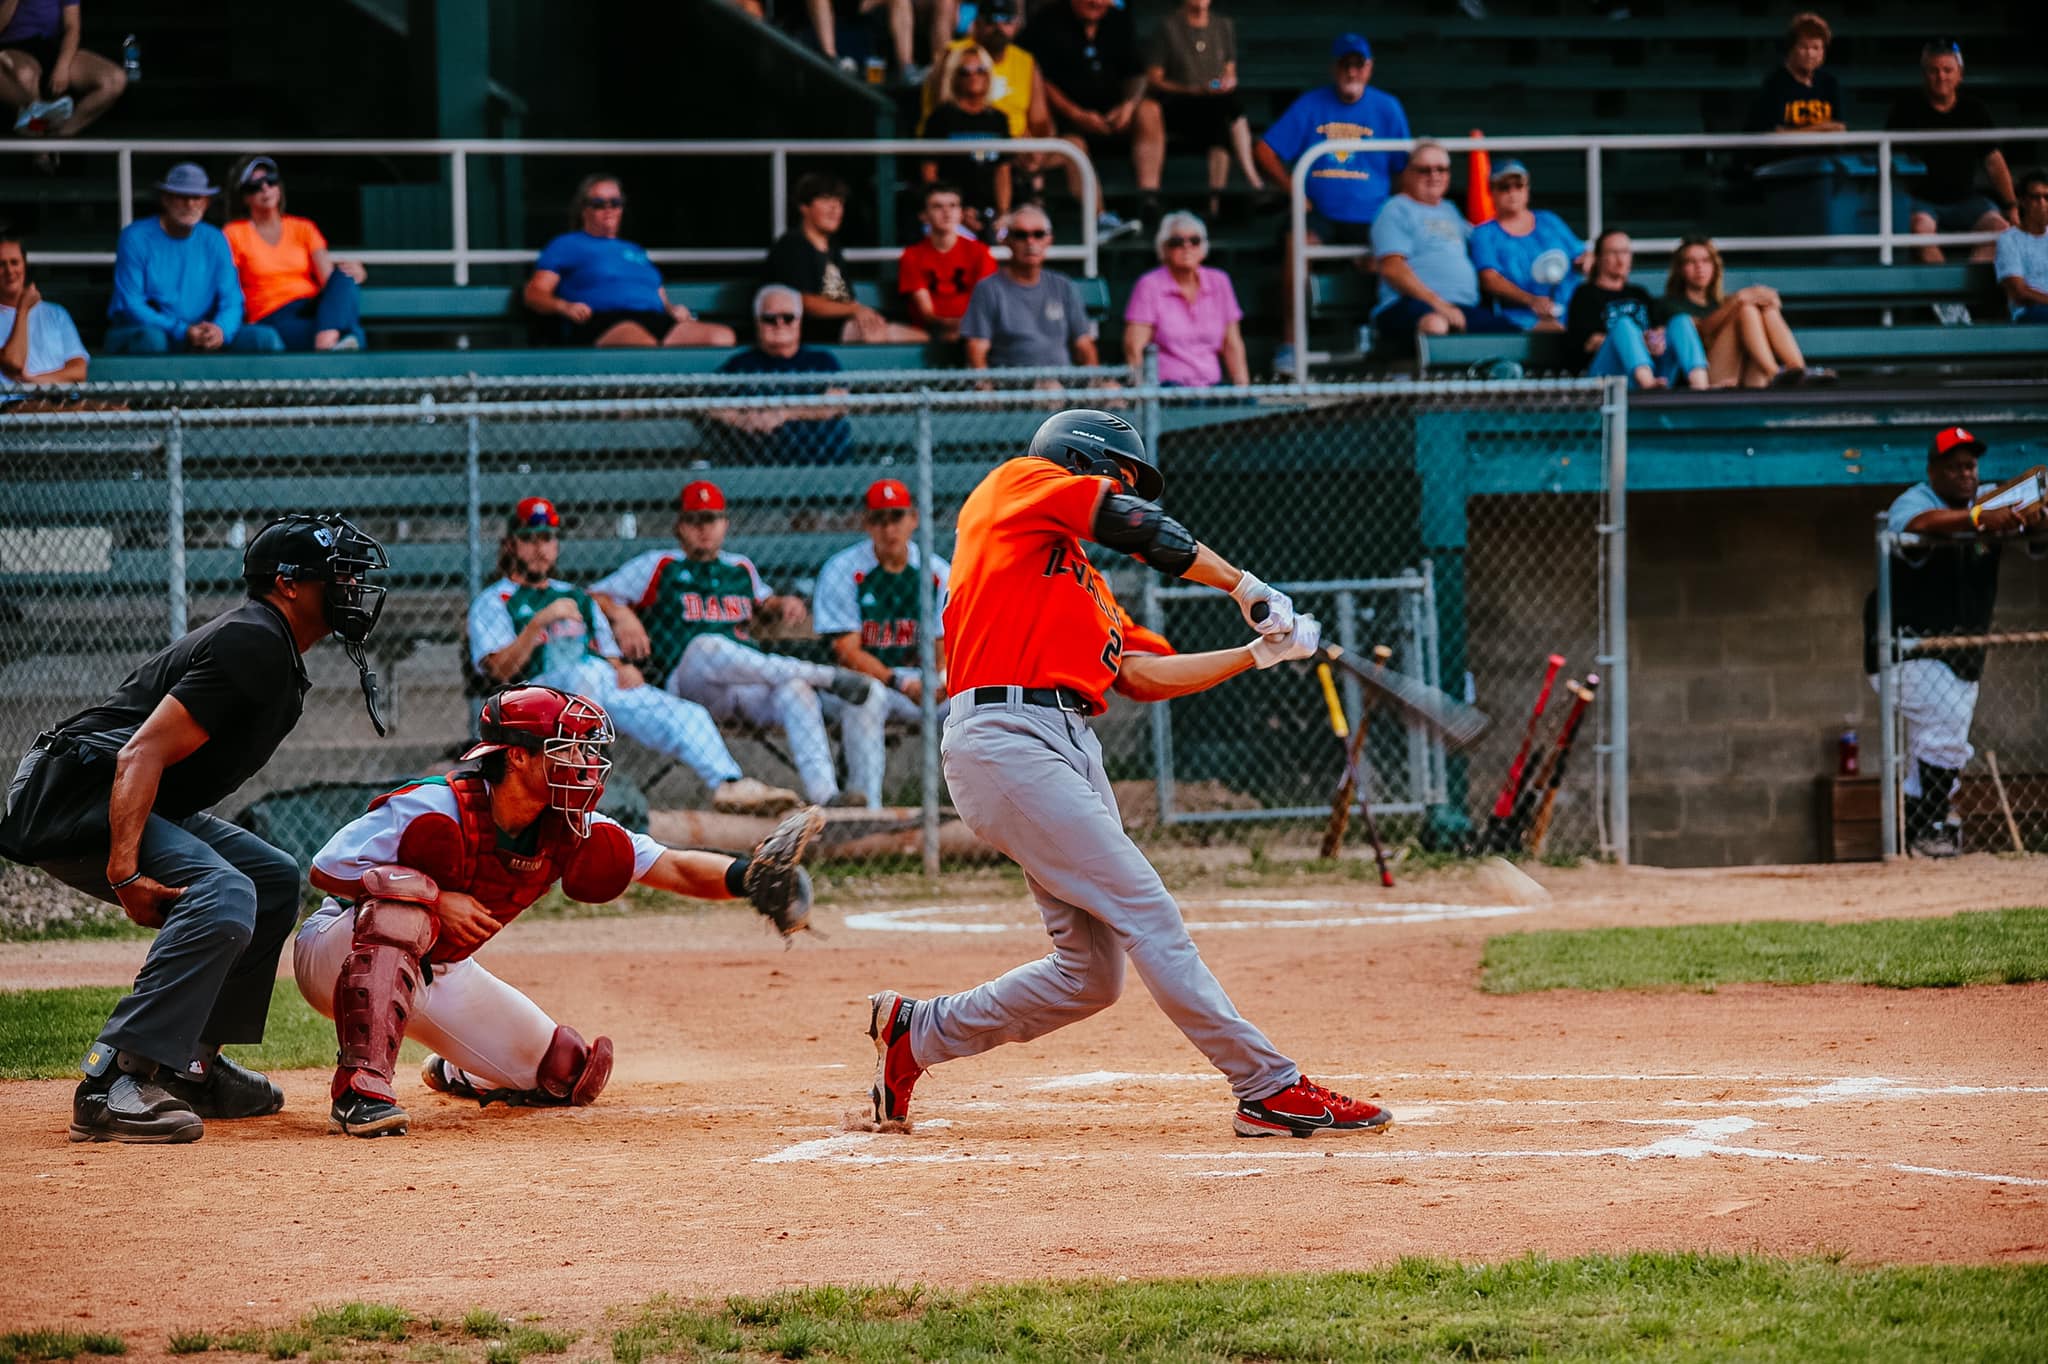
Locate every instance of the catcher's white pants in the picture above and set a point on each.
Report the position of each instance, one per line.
(649, 716)
(474, 1020)
(1938, 707)
(775, 691)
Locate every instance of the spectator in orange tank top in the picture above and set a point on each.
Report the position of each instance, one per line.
(289, 281)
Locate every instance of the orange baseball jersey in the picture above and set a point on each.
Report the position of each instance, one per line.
(1024, 607)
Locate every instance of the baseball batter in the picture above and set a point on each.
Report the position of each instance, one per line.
(1944, 589)
(436, 868)
(530, 626)
(687, 611)
(1036, 639)
(865, 602)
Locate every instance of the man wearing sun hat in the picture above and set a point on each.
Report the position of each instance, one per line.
(866, 603)
(689, 613)
(1945, 585)
(175, 287)
(530, 626)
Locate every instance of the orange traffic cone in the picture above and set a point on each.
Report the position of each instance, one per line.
(1479, 185)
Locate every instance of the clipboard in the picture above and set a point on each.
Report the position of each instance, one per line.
(2028, 490)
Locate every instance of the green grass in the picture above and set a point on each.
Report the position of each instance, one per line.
(1679, 1307)
(50, 1344)
(2006, 946)
(45, 1033)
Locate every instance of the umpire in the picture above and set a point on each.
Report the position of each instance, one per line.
(1946, 585)
(114, 800)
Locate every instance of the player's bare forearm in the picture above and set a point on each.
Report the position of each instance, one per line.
(1211, 569)
(689, 871)
(1161, 677)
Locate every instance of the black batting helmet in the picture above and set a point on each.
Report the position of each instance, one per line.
(326, 548)
(1091, 442)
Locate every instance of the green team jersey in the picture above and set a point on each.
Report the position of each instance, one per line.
(504, 609)
(888, 616)
(678, 599)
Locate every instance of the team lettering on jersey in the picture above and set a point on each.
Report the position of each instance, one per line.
(1805, 113)
(698, 607)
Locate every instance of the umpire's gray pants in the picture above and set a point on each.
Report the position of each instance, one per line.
(1029, 781)
(210, 968)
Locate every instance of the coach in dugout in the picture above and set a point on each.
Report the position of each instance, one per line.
(114, 802)
(1946, 588)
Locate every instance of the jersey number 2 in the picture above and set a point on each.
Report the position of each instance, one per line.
(1113, 651)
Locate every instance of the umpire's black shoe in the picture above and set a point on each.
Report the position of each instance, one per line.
(125, 1101)
(227, 1090)
(359, 1115)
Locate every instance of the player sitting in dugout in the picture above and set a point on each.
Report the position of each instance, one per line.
(437, 867)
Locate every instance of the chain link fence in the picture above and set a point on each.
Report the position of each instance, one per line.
(1467, 527)
(1959, 636)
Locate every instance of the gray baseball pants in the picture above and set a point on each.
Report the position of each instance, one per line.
(1029, 781)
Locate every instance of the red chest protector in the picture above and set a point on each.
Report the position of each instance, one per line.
(464, 854)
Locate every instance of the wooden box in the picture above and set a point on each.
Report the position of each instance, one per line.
(1849, 825)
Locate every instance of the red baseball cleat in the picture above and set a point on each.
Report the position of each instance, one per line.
(1305, 1108)
(895, 1070)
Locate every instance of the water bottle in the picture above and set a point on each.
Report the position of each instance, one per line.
(131, 58)
(1846, 763)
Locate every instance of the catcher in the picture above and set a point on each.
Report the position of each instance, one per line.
(434, 869)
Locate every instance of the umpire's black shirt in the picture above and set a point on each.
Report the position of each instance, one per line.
(239, 674)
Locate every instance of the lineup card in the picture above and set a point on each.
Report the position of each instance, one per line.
(2029, 489)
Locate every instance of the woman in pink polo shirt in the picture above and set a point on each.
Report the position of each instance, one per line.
(1189, 311)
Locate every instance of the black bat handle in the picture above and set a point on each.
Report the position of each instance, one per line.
(1261, 610)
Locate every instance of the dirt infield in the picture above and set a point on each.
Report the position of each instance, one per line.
(1894, 1126)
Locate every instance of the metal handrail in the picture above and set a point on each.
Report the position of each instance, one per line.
(1883, 240)
(461, 256)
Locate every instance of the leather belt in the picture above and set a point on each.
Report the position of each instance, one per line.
(1052, 698)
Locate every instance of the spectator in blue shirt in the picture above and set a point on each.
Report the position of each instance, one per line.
(1529, 261)
(601, 289)
(175, 287)
(1345, 189)
(1427, 280)
(765, 435)
(38, 342)
(2022, 261)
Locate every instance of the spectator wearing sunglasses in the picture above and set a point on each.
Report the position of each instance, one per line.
(1186, 309)
(1428, 284)
(968, 115)
(762, 435)
(866, 604)
(1945, 198)
(175, 288)
(601, 289)
(1025, 314)
(2022, 267)
(290, 282)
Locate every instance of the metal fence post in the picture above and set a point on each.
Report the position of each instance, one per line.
(1160, 715)
(472, 495)
(1614, 656)
(1887, 698)
(1884, 201)
(927, 621)
(174, 519)
(458, 208)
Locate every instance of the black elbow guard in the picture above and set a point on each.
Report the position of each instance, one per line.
(1144, 531)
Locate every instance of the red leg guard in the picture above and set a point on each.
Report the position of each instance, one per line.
(373, 997)
(573, 1072)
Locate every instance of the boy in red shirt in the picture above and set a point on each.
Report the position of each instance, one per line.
(938, 274)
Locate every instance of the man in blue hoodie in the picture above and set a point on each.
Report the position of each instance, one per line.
(175, 287)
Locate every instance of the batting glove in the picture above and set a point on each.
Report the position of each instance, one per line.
(1277, 619)
(1299, 642)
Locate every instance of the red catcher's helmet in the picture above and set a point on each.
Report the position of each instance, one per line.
(571, 732)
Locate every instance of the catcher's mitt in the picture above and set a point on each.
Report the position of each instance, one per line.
(779, 888)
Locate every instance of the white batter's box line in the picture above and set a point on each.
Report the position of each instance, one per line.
(1329, 914)
(1857, 1087)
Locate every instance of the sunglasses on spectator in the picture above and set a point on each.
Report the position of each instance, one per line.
(778, 319)
(256, 182)
(1433, 170)
(1174, 243)
(615, 201)
(1033, 234)
(972, 71)
(700, 518)
(888, 516)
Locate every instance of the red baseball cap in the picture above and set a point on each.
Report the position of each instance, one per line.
(1948, 441)
(534, 516)
(702, 495)
(887, 492)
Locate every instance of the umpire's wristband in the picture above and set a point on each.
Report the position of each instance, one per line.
(736, 877)
(125, 881)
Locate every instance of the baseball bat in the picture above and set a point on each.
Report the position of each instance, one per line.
(1457, 723)
(1553, 768)
(1347, 787)
(1338, 725)
(1498, 824)
(2012, 826)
